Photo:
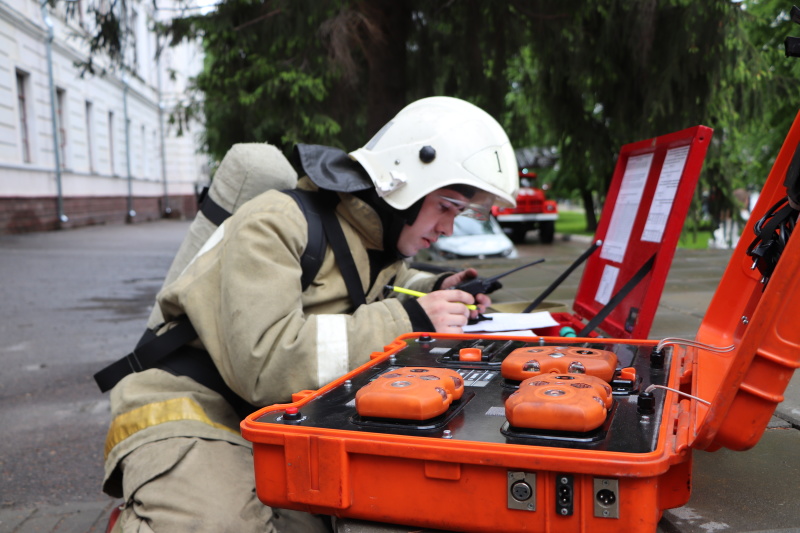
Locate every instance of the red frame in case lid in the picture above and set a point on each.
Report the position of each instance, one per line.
(761, 322)
(650, 193)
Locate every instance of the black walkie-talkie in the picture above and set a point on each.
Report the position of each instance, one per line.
(477, 286)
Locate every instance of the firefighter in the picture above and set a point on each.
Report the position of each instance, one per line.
(173, 450)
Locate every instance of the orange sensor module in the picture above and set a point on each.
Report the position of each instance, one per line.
(527, 362)
(571, 402)
(413, 393)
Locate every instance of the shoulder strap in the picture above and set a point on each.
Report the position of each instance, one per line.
(212, 210)
(311, 206)
(311, 261)
(319, 209)
(341, 250)
(322, 226)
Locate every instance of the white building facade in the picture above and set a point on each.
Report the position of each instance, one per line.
(94, 149)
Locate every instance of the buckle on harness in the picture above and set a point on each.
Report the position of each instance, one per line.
(132, 358)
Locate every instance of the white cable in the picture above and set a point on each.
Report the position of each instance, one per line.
(651, 387)
(695, 344)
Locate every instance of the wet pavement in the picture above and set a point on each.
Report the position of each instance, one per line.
(75, 300)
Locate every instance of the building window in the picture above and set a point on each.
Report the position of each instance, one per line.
(128, 140)
(89, 150)
(24, 133)
(73, 10)
(61, 114)
(111, 141)
(134, 31)
(156, 156)
(145, 170)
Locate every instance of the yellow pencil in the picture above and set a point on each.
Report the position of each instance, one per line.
(418, 294)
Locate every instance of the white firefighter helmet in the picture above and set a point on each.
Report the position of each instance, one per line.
(436, 142)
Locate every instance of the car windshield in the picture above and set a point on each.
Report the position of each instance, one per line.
(470, 226)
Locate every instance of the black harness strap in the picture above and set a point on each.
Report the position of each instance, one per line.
(198, 365)
(213, 211)
(341, 250)
(181, 361)
(621, 294)
(147, 354)
(169, 352)
(312, 204)
(319, 208)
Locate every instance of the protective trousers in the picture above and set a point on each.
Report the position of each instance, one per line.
(184, 484)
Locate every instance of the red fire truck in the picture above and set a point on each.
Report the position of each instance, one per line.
(533, 211)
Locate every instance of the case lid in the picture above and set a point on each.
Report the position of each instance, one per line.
(761, 321)
(651, 190)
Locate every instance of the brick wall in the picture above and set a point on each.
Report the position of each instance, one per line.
(20, 215)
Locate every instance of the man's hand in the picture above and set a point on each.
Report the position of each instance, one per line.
(482, 300)
(448, 311)
(447, 308)
(468, 281)
(453, 280)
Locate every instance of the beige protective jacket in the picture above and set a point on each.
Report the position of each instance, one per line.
(266, 336)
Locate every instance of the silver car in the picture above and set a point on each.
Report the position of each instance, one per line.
(473, 238)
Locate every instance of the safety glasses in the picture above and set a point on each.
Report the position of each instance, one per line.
(479, 210)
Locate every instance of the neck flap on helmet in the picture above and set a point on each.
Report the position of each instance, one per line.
(334, 170)
(330, 168)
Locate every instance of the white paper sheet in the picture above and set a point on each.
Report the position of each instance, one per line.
(513, 322)
(626, 207)
(606, 287)
(668, 182)
(517, 333)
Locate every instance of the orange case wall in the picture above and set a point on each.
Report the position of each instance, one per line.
(459, 484)
(449, 484)
(763, 322)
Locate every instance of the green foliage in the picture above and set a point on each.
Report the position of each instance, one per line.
(261, 83)
(586, 77)
(614, 71)
(334, 72)
(755, 102)
(110, 20)
(765, 25)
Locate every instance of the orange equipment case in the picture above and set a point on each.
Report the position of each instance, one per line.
(468, 469)
(651, 189)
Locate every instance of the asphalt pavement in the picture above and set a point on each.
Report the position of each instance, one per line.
(75, 300)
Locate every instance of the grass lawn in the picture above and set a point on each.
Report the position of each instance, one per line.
(694, 241)
(574, 223)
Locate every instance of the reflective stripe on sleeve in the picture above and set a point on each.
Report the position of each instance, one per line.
(212, 241)
(332, 351)
(417, 277)
(152, 414)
